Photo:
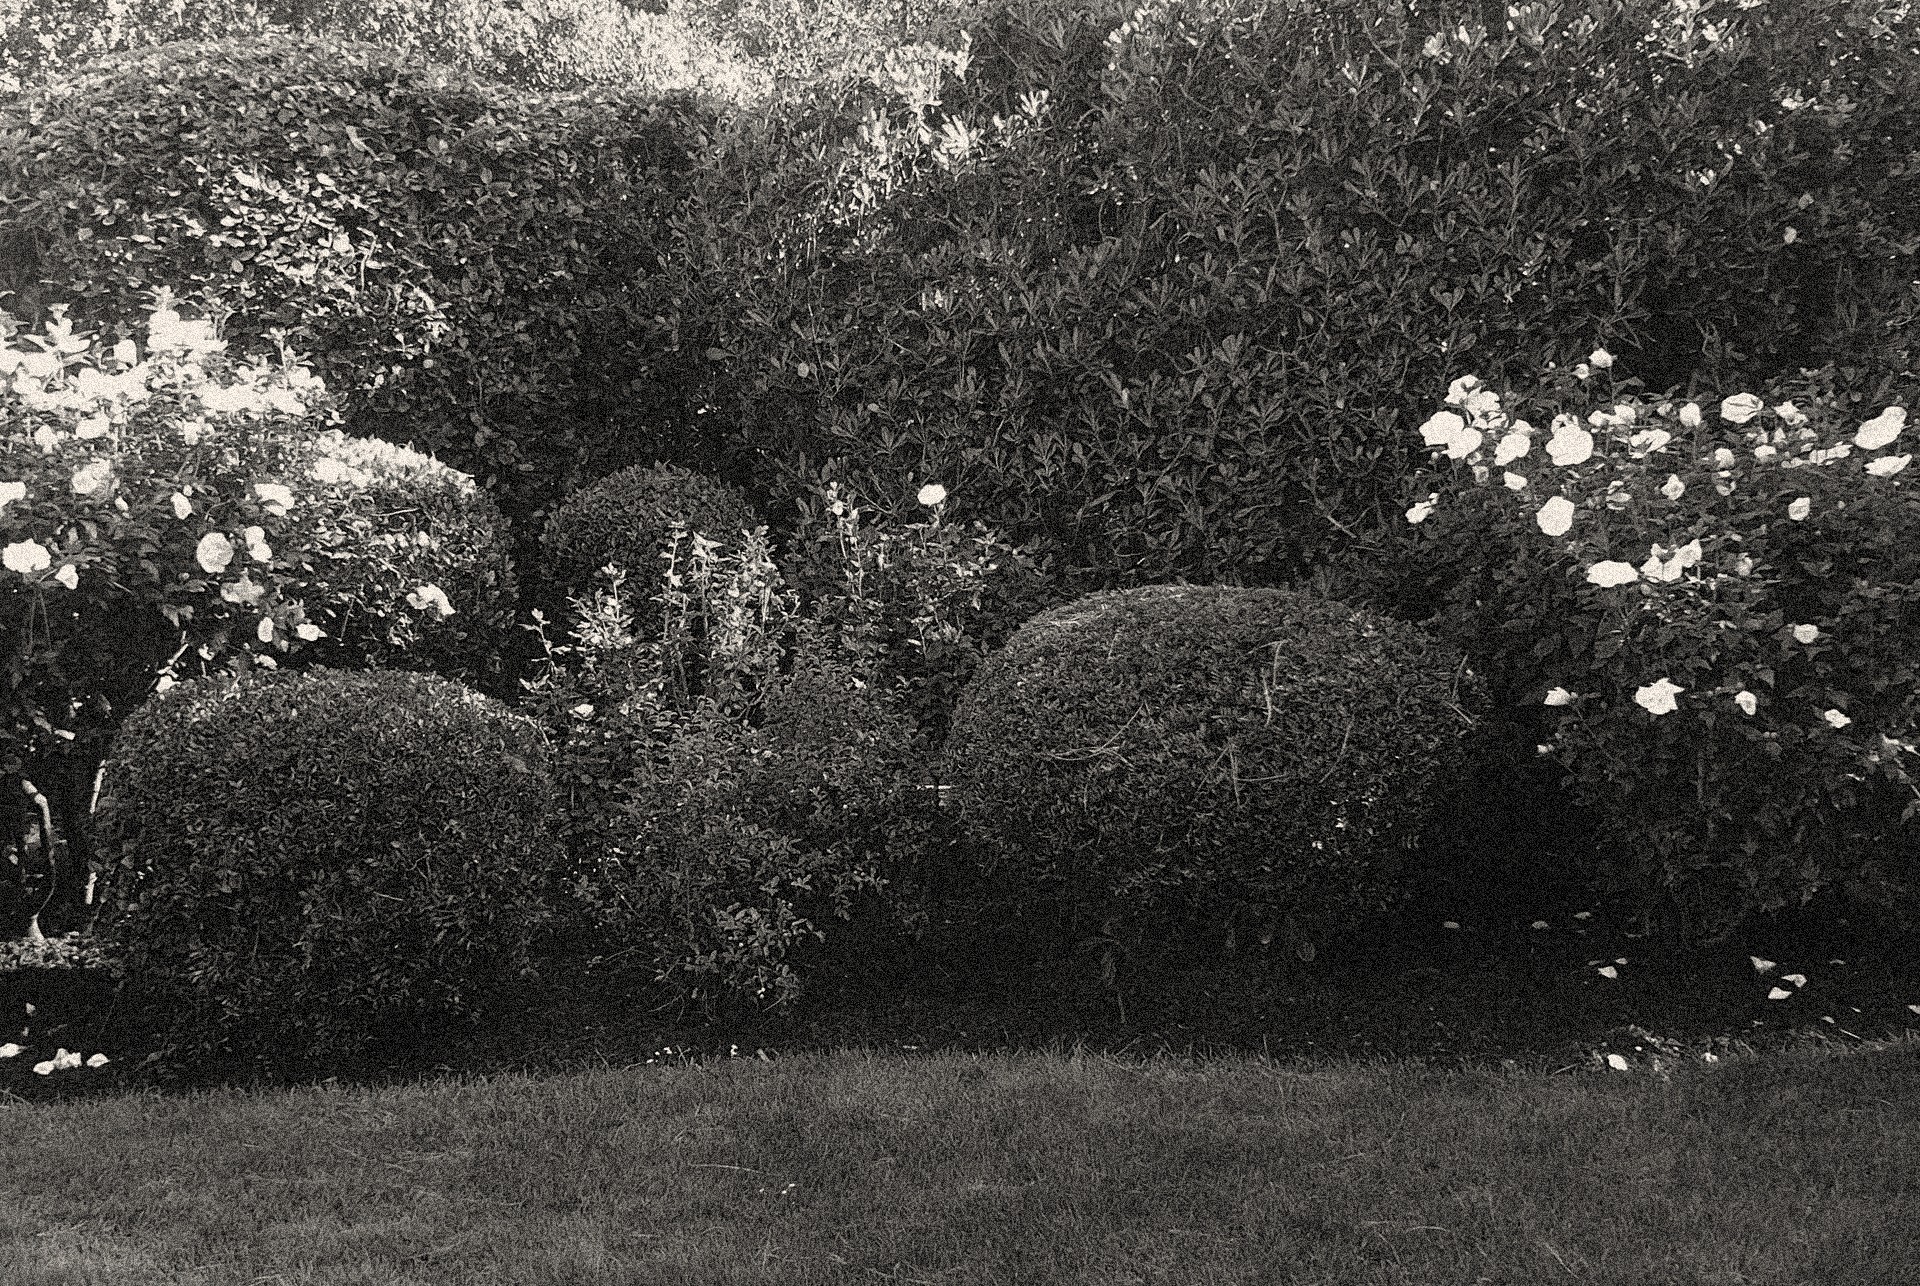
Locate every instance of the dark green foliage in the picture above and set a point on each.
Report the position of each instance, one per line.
(298, 863)
(463, 264)
(625, 518)
(1201, 746)
(1171, 312)
(407, 520)
(740, 837)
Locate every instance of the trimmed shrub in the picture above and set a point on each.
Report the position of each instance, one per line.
(1152, 284)
(1192, 747)
(398, 525)
(299, 864)
(463, 264)
(626, 519)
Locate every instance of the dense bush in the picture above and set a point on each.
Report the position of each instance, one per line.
(392, 526)
(298, 864)
(740, 837)
(918, 604)
(1181, 747)
(462, 263)
(626, 518)
(746, 771)
(1153, 286)
(1709, 610)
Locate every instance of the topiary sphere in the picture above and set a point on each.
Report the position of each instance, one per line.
(625, 517)
(306, 860)
(1178, 745)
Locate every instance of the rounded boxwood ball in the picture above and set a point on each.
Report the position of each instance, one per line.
(306, 860)
(625, 517)
(1173, 746)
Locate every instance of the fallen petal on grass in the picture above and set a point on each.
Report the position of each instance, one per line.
(1779, 993)
(1607, 971)
(1798, 980)
(1617, 1062)
(1762, 966)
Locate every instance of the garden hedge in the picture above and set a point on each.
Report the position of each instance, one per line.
(462, 263)
(1162, 286)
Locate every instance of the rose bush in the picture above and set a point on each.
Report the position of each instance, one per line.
(1714, 606)
(167, 509)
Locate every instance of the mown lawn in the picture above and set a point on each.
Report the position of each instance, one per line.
(862, 1167)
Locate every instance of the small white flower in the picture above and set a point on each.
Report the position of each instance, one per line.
(1690, 415)
(10, 1050)
(424, 596)
(93, 477)
(307, 632)
(1762, 966)
(1570, 446)
(126, 352)
(1779, 993)
(584, 710)
(1608, 971)
(1611, 573)
(1461, 389)
(1673, 489)
(1658, 697)
(1791, 235)
(932, 494)
(1648, 441)
(1790, 414)
(26, 557)
(44, 1068)
(244, 591)
(1744, 565)
(1799, 508)
(1882, 429)
(1424, 510)
(1740, 408)
(329, 470)
(265, 630)
(213, 553)
(1765, 452)
(1689, 554)
(257, 547)
(68, 575)
(1600, 358)
(1558, 697)
(1888, 465)
(1747, 702)
(1541, 924)
(12, 491)
(1440, 427)
(1556, 516)
(1511, 448)
(182, 507)
(1514, 481)
(1805, 633)
(274, 493)
(1836, 719)
(1582, 372)
(98, 1060)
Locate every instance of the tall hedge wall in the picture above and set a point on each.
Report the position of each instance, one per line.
(464, 264)
(1170, 287)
